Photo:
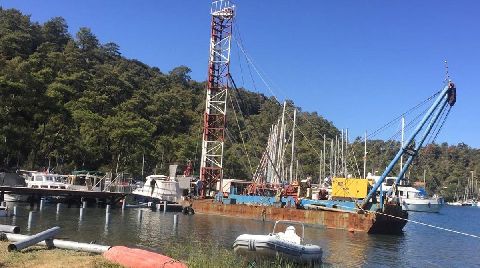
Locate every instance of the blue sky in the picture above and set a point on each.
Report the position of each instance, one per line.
(357, 63)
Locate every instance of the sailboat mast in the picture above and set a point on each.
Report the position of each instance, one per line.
(293, 145)
(365, 157)
(402, 141)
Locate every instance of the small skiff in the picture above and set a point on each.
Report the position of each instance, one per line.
(287, 246)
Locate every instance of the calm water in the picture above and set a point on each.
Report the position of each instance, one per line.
(420, 246)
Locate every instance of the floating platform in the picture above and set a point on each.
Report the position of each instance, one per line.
(389, 221)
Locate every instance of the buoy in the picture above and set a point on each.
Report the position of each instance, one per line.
(139, 258)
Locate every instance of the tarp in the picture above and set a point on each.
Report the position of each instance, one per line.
(11, 179)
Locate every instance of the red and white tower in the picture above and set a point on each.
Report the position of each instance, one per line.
(211, 165)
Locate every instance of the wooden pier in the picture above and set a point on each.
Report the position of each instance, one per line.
(111, 197)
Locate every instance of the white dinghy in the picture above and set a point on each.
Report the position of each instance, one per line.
(287, 245)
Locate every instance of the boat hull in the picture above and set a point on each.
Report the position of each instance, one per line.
(370, 222)
(267, 246)
(429, 207)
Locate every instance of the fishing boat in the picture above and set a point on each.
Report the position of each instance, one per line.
(285, 245)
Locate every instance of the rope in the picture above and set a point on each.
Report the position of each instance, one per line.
(443, 122)
(241, 137)
(400, 116)
(416, 222)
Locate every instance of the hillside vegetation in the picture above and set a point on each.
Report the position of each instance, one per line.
(70, 102)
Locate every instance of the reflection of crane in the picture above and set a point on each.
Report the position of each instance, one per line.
(211, 165)
(445, 100)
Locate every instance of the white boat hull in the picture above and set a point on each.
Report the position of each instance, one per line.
(15, 198)
(270, 246)
(423, 205)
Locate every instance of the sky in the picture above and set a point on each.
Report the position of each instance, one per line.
(357, 63)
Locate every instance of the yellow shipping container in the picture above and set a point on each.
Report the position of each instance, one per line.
(349, 188)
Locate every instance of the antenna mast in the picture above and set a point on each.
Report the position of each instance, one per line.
(211, 166)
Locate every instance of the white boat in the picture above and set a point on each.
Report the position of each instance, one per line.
(13, 180)
(46, 181)
(411, 198)
(287, 246)
(160, 187)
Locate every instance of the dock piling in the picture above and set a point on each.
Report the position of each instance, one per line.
(158, 206)
(107, 210)
(164, 206)
(41, 204)
(175, 220)
(58, 207)
(30, 219)
(140, 215)
(15, 211)
(124, 202)
(81, 213)
(84, 204)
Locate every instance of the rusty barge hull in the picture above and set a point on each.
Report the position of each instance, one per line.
(369, 222)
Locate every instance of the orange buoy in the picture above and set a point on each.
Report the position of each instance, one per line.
(139, 258)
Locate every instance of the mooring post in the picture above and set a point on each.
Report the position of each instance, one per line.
(164, 206)
(30, 219)
(124, 202)
(58, 207)
(41, 204)
(140, 215)
(84, 204)
(14, 210)
(81, 213)
(107, 210)
(158, 206)
(175, 220)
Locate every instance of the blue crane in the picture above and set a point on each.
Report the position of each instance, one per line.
(446, 98)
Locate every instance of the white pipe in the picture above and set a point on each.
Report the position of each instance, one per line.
(63, 244)
(9, 229)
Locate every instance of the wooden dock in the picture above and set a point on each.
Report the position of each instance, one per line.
(111, 197)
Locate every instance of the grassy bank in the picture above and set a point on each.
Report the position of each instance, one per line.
(39, 256)
(200, 254)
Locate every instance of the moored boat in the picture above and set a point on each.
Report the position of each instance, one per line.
(285, 245)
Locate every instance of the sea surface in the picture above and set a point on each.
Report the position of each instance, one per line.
(419, 246)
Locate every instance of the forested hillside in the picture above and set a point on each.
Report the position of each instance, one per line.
(70, 102)
(73, 103)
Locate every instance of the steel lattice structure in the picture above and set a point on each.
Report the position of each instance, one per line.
(211, 167)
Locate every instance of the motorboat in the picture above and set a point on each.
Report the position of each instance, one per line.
(160, 187)
(285, 245)
(412, 199)
(46, 180)
(12, 179)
